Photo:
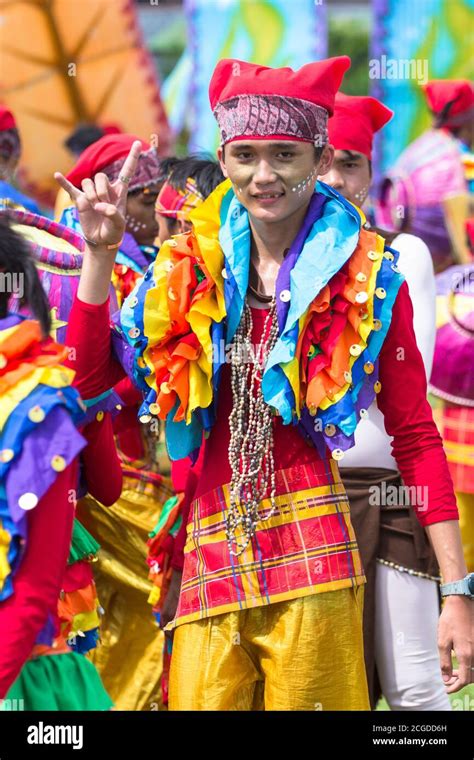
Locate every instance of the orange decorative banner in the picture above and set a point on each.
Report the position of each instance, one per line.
(66, 62)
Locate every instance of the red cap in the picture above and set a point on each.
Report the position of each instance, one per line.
(7, 120)
(110, 128)
(460, 93)
(101, 154)
(252, 101)
(355, 121)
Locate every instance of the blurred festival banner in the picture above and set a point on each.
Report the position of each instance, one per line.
(268, 32)
(64, 62)
(412, 43)
(175, 92)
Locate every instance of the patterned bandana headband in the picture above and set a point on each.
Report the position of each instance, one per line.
(148, 170)
(268, 116)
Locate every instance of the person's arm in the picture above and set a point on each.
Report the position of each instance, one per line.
(170, 604)
(177, 559)
(101, 206)
(453, 192)
(418, 450)
(38, 581)
(457, 618)
(416, 445)
(102, 469)
(90, 355)
(185, 477)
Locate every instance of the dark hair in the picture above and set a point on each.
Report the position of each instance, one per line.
(16, 258)
(205, 171)
(167, 164)
(83, 136)
(10, 143)
(441, 117)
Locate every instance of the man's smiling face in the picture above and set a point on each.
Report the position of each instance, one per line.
(273, 179)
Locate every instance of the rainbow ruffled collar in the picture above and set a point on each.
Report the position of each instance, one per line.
(335, 294)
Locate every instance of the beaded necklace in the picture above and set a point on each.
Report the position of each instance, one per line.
(251, 432)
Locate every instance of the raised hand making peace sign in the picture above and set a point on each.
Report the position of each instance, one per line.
(102, 208)
(102, 204)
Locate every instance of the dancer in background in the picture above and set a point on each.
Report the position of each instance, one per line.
(41, 589)
(189, 182)
(79, 139)
(138, 247)
(452, 388)
(426, 192)
(10, 154)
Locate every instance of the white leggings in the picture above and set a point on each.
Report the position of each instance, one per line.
(406, 651)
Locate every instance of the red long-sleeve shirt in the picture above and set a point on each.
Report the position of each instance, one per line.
(417, 445)
(38, 581)
(102, 469)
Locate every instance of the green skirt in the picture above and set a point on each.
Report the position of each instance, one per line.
(60, 682)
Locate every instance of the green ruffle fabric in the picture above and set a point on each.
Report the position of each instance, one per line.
(60, 682)
(82, 544)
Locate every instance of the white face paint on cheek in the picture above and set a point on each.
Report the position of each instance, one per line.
(361, 195)
(133, 225)
(303, 185)
(242, 179)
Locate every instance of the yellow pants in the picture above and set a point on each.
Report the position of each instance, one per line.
(466, 525)
(303, 654)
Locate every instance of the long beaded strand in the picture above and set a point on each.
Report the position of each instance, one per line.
(251, 432)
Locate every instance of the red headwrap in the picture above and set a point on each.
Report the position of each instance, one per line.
(7, 120)
(355, 121)
(256, 102)
(107, 155)
(460, 93)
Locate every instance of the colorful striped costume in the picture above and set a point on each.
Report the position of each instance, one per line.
(321, 376)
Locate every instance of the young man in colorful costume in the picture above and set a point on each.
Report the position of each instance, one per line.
(271, 594)
(427, 190)
(398, 561)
